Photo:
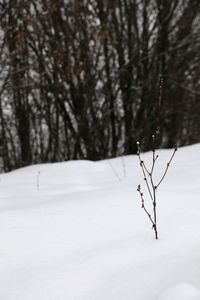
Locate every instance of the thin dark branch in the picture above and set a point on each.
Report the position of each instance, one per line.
(145, 171)
(168, 164)
(143, 205)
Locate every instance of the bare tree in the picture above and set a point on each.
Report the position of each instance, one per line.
(79, 78)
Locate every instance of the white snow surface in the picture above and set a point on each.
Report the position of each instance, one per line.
(75, 231)
(182, 291)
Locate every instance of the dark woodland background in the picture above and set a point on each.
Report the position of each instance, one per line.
(79, 79)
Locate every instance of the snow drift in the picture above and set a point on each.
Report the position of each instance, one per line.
(76, 231)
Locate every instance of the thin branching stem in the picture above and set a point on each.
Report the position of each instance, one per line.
(143, 205)
(168, 164)
(146, 168)
(152, 188)
(114, 171)
(145, 172)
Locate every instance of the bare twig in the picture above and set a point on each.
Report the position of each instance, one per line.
(114, 171)
(143, 205)
(145, 172)
(152, 188)
(124, 167)
(38, 180)
(168, 164)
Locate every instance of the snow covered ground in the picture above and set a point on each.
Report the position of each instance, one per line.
(76, 231)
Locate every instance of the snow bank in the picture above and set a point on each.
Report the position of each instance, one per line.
(76, 231)
(181, 291)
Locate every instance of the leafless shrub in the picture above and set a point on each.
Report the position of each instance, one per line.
(152, 187)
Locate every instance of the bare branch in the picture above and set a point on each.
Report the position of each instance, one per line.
(153, 188)
(143, 205)
(145, 172)
(168, 164)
